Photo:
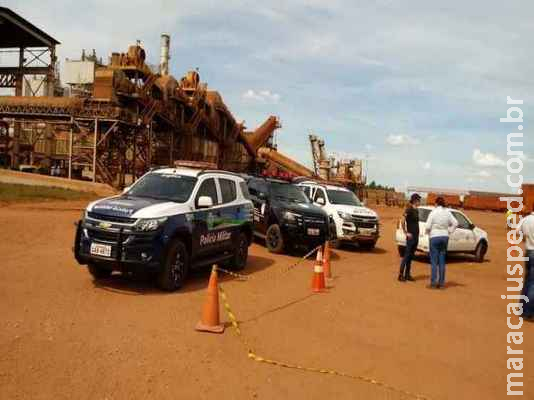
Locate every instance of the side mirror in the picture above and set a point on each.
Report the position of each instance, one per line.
(472, 226)
(320, 201)
(205, 202)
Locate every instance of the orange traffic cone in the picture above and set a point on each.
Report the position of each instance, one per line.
(210, 313)
(318, 282)
(326, 261)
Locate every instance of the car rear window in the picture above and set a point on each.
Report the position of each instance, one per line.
(228, 190)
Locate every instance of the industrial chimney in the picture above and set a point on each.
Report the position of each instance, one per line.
(164, 60)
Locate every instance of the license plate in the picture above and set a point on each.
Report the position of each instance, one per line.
(103, 250)
(313, 232)
(366, 231)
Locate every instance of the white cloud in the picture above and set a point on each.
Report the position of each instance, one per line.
(264, 96)
(483, 174)
(487, 159)
(401, 140)
(427, 165)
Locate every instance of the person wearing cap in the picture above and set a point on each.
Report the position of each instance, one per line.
(439, 225)
(410, 226)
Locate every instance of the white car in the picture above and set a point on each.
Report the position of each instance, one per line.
(353, 221)
(467, 238)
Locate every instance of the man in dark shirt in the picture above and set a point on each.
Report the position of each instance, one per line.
(410, 226)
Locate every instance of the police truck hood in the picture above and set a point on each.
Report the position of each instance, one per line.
(301, 208)
(356, 210)
(136, 207)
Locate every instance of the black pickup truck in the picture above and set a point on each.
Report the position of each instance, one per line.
(284, 216)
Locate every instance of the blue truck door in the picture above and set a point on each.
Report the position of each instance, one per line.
(233, 214)
(204, 236)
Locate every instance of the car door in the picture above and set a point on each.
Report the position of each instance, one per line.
(231, 213)
(256, 188)
(205, 220)
(464, 237)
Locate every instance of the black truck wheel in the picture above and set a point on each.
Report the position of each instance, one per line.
(98, 271)
(367, 245)
(239, 259)
(480, 252)
(175, 267)
(274, 239)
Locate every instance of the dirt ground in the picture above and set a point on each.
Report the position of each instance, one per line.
(64, 336)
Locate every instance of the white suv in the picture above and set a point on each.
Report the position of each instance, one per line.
(353, 221)
(467, 238)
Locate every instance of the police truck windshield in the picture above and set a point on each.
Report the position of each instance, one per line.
(170, 187)
(288, 192)
(343, 197)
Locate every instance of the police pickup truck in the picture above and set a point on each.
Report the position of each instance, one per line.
(169, 221)
(354, 223)
(285, 217)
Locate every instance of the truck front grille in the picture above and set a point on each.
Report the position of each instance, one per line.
(110, 218)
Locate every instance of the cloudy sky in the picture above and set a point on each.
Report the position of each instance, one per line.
(415, 87)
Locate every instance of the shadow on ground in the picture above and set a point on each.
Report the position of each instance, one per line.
(144, 283)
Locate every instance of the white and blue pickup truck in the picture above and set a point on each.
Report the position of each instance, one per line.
(354, 223)
(167, 222)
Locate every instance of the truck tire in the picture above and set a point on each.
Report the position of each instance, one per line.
(335, 244)
(402, 250)
(274, 239)
(480, 252)
(175, 267)
(239, 259)
(367, 245)
(98, 271)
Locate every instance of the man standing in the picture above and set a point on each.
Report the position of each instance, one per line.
(410, 226)
(527, 227)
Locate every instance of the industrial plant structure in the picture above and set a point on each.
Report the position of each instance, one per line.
(121, 118)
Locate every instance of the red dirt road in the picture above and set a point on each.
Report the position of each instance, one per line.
(64, 336)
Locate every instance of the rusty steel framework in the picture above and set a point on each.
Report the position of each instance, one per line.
(33, 50)
(133, 119)
(130, 118)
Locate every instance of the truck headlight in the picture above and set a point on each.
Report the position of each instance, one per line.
(149, 224)
(291, 216)
(344, 215)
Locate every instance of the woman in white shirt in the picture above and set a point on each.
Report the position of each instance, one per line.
(439, 225)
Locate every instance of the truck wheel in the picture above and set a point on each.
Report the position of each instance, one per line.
(402, 250)
(367, 245)
(480, 252)
(239, 260)
(335, 244)
(175, 267)
(274, 239)
(99, 272)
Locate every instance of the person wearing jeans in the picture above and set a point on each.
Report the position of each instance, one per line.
(410, 226)
(439, 225)
(526, 226)
(438, 256)
(528, 288)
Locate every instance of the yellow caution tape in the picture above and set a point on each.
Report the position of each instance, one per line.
(277, 272)
(253, 356)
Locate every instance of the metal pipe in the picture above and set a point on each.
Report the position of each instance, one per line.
(94, 150)
(164, 55)
(70, 147)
